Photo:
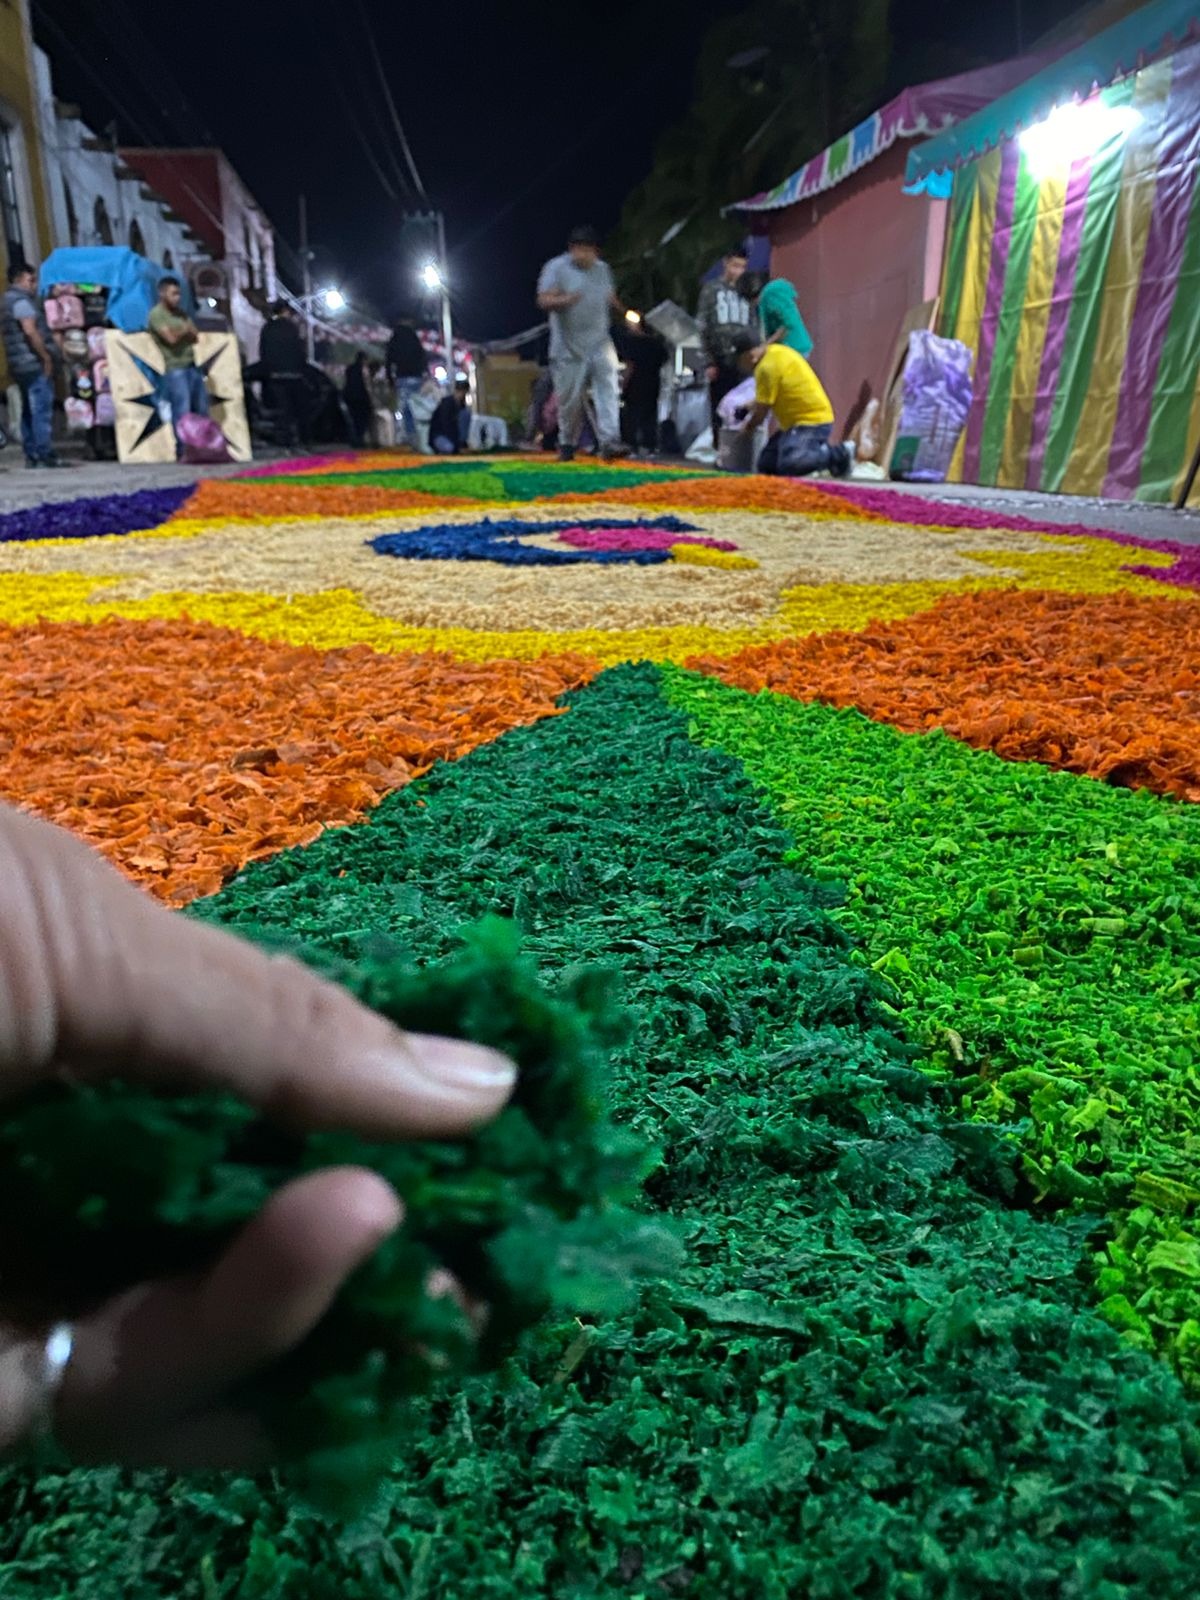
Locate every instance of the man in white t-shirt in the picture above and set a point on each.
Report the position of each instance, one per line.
(578, 292)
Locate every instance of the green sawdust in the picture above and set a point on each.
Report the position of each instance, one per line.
(115, 1185)
(481, 480)
(1041, 935)
(875, 1376)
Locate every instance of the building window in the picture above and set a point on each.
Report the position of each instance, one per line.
(168, 260)
(8, 198)
(100, 222)
(136, 243)
(72, 219)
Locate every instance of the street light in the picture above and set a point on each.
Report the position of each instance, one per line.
(334, 299)
(434, 277)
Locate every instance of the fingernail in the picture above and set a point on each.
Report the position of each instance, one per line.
(455, 1064)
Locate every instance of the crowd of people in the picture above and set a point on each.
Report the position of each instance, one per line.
(600, 391)
(751, 327)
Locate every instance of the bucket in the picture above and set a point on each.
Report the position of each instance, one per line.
(738, 450)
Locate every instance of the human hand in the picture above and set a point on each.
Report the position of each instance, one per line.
(96, 978)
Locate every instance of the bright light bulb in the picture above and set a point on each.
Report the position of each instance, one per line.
(1074, 131)
(430, 276)
(334, 299)
(440, 374)
(633, 316)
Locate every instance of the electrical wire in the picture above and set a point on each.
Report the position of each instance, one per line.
(356, 126)
(385, 147)
(391, 104)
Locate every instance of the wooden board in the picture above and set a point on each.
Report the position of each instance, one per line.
(143, 425)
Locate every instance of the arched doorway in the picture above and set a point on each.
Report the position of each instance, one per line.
(136, 242)
(100, 222)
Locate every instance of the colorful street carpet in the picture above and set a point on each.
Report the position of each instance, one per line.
(884, 810)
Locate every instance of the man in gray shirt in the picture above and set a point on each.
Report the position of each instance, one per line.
(29, 350)
(577, 290)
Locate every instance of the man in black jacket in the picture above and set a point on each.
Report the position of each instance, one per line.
(281, 353)
(408, 367)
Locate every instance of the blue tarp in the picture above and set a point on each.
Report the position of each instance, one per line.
(1120, 49)
(131, 280)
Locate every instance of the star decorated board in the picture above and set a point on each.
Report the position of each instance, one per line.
(143, 428)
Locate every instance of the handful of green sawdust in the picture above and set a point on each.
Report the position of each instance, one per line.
(112, 1185)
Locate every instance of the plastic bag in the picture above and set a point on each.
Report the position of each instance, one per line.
(79, 414)
(739, 399)
(64, 311)
(200, 440)
(865, 434)
(937, 396)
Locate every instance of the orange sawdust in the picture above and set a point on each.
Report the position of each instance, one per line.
(184, 751)
(271, 499)
(1103, 685)
(738, 494)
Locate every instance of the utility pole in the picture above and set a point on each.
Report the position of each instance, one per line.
(309, 341)
(447, 323)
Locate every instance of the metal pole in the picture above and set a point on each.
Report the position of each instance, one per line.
(304, 258)
(447, 323)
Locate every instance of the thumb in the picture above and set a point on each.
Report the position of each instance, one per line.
(95, 974)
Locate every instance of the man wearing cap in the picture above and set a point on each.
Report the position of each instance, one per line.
(578, 292)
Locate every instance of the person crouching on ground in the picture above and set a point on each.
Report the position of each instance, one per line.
(785, 385)
(450, 425)
(577, 290)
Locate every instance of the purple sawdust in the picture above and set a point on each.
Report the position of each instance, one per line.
(919, 512)
(331, 461)
(85, 519)
(636, 539)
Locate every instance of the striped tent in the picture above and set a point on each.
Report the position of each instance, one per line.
(1076, 279)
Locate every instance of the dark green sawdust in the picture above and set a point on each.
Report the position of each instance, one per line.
(480, 479)
(118, 1185)
(876, 1374)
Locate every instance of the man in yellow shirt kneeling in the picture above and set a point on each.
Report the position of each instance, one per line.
(785, 384)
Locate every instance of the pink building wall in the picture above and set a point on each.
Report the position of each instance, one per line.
(861, 255)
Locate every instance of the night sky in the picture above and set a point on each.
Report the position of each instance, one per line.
(518, 130)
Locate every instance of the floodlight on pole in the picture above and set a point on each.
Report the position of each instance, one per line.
(334, 299)
(431, 277)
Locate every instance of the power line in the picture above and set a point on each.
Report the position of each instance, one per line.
(597, 125)
(391, 104)
(357, 128)
(386, 146)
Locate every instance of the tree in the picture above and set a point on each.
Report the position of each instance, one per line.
(775, 84)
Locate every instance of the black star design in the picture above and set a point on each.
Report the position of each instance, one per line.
(206, 367)
(154, 399)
